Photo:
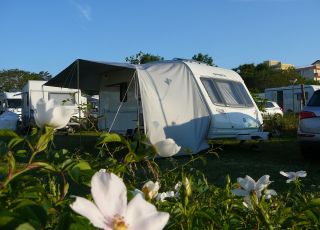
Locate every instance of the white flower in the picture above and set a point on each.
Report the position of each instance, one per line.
(110, 209)
(162, 196)
(167, 147)
(50, 114)
(136, 192)
(178, 186)
(177, 189)
(249, 185)
(293, 175)
(150, 189)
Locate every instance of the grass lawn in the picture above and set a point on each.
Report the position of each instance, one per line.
(239, 160)
(236, 160)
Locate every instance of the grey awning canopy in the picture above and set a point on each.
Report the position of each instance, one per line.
(88, 73)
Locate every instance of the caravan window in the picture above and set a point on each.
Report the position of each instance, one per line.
(14, 103)
(229, 93)
(63, 98)
(212, 91)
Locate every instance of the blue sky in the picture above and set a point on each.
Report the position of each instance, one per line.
(49, 35)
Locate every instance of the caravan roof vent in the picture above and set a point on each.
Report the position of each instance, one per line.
(189, 60)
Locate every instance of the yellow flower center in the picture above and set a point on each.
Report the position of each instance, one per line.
(119, 224)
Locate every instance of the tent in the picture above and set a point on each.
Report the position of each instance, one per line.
(164, 96)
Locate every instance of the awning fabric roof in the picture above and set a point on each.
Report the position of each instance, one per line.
(90, 73)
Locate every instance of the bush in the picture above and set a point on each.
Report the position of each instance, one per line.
(286, 125)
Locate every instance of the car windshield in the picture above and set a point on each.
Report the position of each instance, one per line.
(269, 104)
(315, 99)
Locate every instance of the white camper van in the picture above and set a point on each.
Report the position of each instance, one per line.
(289, 98)
(33, 90)
(185, 100)
(10, 101)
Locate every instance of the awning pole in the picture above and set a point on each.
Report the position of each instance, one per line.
(78, 86)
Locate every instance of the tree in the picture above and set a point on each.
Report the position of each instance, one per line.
(205, 58)
(259, 77)
(15, 79)
(142, 58)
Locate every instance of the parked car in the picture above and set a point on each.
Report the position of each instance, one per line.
(309, 127)
(272, 109)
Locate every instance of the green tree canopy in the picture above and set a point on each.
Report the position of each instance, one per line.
(205, 58)
(259, 77)
(141, 58)
(15, 79)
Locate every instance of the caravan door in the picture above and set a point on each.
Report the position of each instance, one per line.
(118, 111)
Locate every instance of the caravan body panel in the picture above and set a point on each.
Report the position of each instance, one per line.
(35, 90)
(233, 110)
(289, 98)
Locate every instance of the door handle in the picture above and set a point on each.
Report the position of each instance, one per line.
(220, 111)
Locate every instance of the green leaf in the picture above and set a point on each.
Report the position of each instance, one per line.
(44, 165)
(6, 218)
(67, 164)
(25, 226)
(44, 139)
(112, 137)
(33, 213)
(15, 141)
(315, 202)
(8, 133)
(75, 171)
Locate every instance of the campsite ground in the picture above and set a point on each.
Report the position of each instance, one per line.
(234, 159)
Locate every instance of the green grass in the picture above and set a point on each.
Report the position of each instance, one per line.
(236, 160)
(239, 160)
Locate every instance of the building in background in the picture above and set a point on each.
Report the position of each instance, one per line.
(278, 65)
(311, 72)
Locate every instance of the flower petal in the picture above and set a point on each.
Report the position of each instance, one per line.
(301, 174)
(240, 192)
(167, 147)
(88, 209)
(247, 202)
(291, 179)
(269, 193)
(288, 174)
(284, 174)
(247, 183)
(137, 191)
(109, 193)
(262, 183)
(143, 215)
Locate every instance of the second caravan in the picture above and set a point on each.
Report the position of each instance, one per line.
(34, 90)
(289, 98)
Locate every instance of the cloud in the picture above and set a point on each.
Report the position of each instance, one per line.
(85, 10)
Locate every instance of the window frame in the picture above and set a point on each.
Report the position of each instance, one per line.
(67, 103)
(247, 101)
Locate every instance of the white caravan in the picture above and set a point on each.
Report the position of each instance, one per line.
(34, 90)
(185, 100)
(10, 101)
(289, 98)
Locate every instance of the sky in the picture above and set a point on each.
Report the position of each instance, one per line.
(46, 35)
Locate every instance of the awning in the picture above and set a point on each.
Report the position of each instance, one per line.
(85, 74)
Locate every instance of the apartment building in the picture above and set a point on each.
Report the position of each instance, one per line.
(311, 72)
(278, 65)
